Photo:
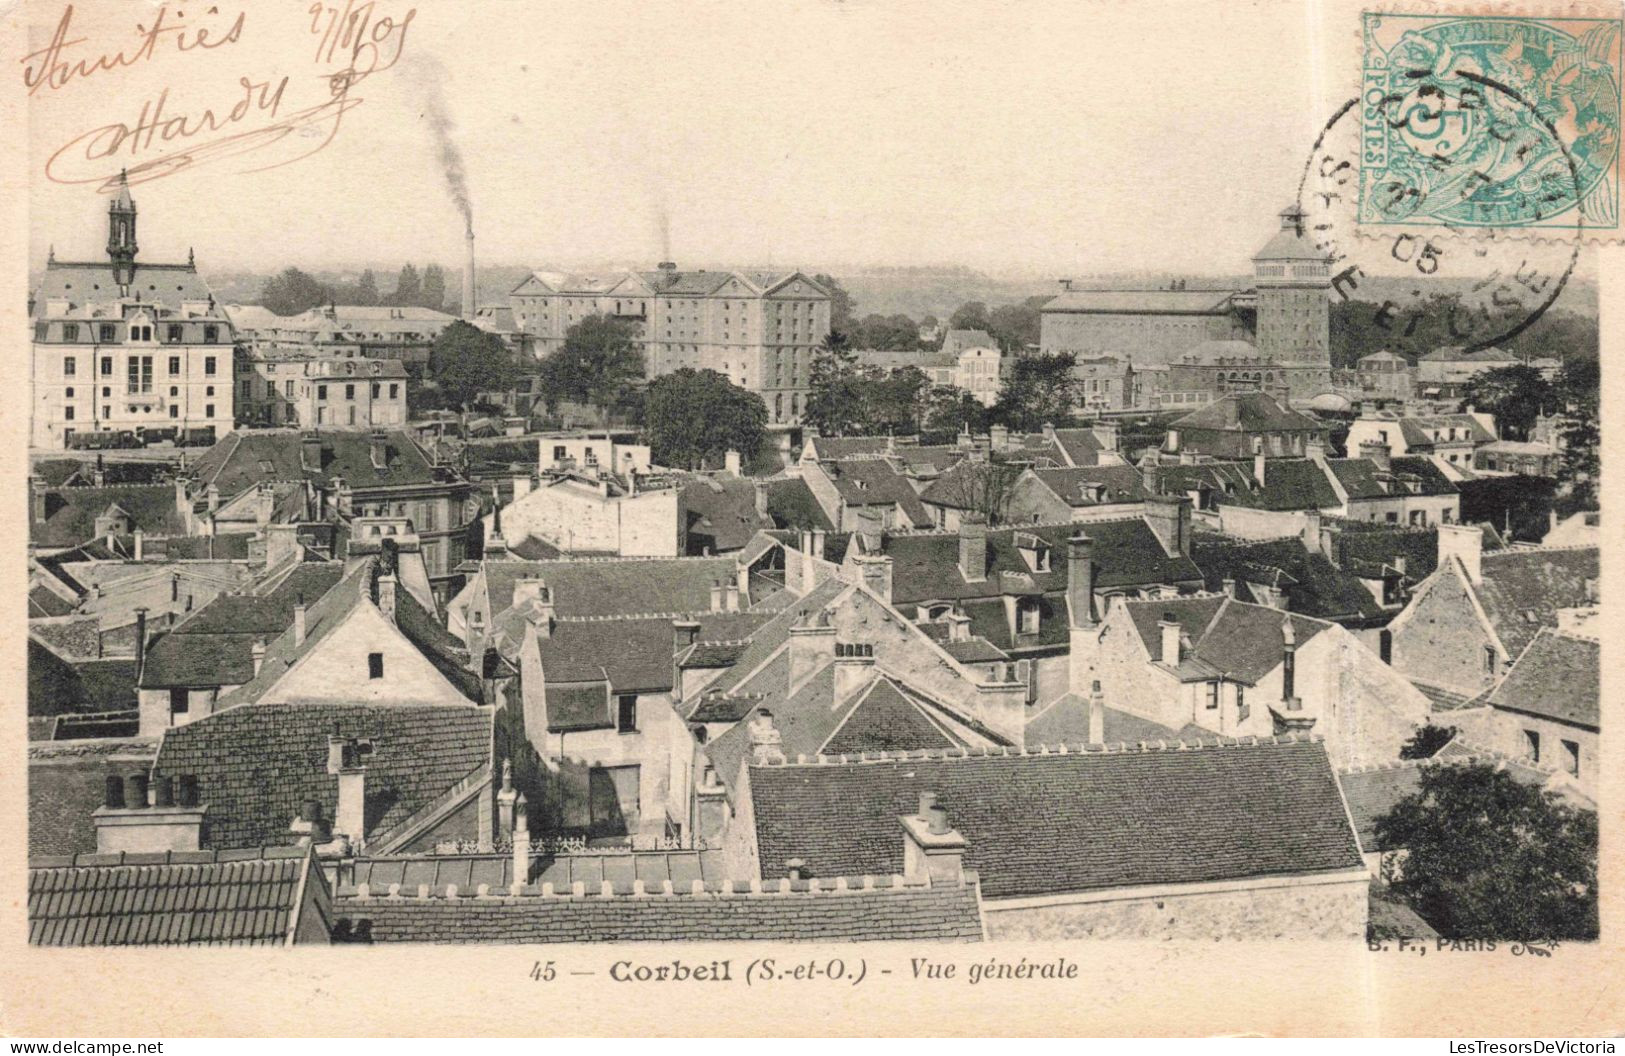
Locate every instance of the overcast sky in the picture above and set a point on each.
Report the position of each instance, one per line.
(1072, 138)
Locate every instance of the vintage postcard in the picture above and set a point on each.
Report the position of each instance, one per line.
(838, 516)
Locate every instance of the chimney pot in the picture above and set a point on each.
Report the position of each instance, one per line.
(188, 790)
(135, 791)
(164, 796)
(1097, 714)
(114, 798)
(299, 622)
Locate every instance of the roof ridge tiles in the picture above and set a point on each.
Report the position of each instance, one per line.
(1049, 748)
(915, 533)
(817, 886)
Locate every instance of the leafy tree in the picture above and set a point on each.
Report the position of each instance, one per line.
(892, 333)
(1426, 742)
(1516, 395)
(895, 402)
(293, 292)
(948, 412)
(465, 361)
(366, 290)
(1578, 389)
(1492, 858)
(434, 288)
(1016, 326)
(599, 363)
(835, 402)
(694, 416)
(971, 315)
(841, 305)
(408, 287)
(1040, 389)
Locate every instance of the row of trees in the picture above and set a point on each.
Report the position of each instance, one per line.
(1518, 395)
(294, 291)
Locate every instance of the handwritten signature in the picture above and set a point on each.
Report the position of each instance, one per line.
(162, 140)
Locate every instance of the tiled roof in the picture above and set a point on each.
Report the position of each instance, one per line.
(1079, 446)
(1522, 589)
(775, 633)
(248, 457)
(1171, 816)
(468, 871)
(957, 341)
(1318, 588)
(173, 899)
(614, 587)
(875, 909)
(1254, 412)
(837, 447)
(1418, 430)
(70, 513)
(1242, 640)
(1142, 302)
(925, 566)
(874, 482)
(93, 282)
(1558, 676)
(715, 654)
(973, 650)
(257, 765)
(67, 781)
(214, 645)
(883, 719)
(1094, 485)
(791, 505)
(968, 485)
(43, 601)
(1289, 484)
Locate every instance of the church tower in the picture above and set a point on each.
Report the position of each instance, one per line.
(1294, 296)
(121, 247)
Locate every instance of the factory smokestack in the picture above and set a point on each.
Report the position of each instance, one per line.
(468, 278)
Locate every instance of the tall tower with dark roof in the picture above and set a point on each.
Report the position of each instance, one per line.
(121, 247)
(1294, 295)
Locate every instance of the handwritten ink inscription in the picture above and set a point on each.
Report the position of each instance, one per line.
(281, 117)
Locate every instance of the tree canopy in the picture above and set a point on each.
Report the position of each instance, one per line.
(465, 361)
(1040, 389)
(949, 411)
(1492, 858)
(835, 404)
(1516, 395)
(1578, 386)
(293, 292)
(599, 363)
(408, 287)
(434, 288)
(696, 416)
(841, 305)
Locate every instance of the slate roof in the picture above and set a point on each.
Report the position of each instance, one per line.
(1094, 485)
(92, 282)
(175, 898)
(70, 513)
(1255, 412)
(57, 686)
(214, 645)
(874, 482)
(1558, 676)
(1066, 721)
(925, 566)
(839, 447)
(1079, 447)
(1522, 589)
(245, 458)
(1289, 484)
(726, 911)
(1418, 430)
(256, 766)
(614, 586)
(956, 341)
(1362, 479)
(1146, 816)
(635, 653)
(721, 513)
(790, 504)
(966, 485)
(577, 706)
(1241, 640)
(1143, 302)
(1317, 587)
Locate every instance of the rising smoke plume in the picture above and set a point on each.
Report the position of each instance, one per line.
(430, 74)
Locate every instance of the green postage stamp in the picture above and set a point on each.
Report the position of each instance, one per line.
(1490, 122)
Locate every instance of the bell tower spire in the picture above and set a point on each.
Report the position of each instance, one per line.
(121, 247)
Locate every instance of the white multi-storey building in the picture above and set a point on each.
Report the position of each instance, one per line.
(121, 346)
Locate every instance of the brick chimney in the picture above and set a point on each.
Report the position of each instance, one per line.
(299, 621)
(1289, 667)
(876, 570)
(1080, 580)
(933, 851)
(37, 492)
(1311, 530)
(257, 652)
(684, 633)
(1097, 714)
(281, 543)
(138, 543)
(766, 742)
(761, 500)
(1466, 543)
(1170, 518)
(998, 436)
(716, 596)
(126, 823)
(378, 450)
(973, 547)
(309, 828)
(310, 453)
(1168, 630)
(347, 759)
